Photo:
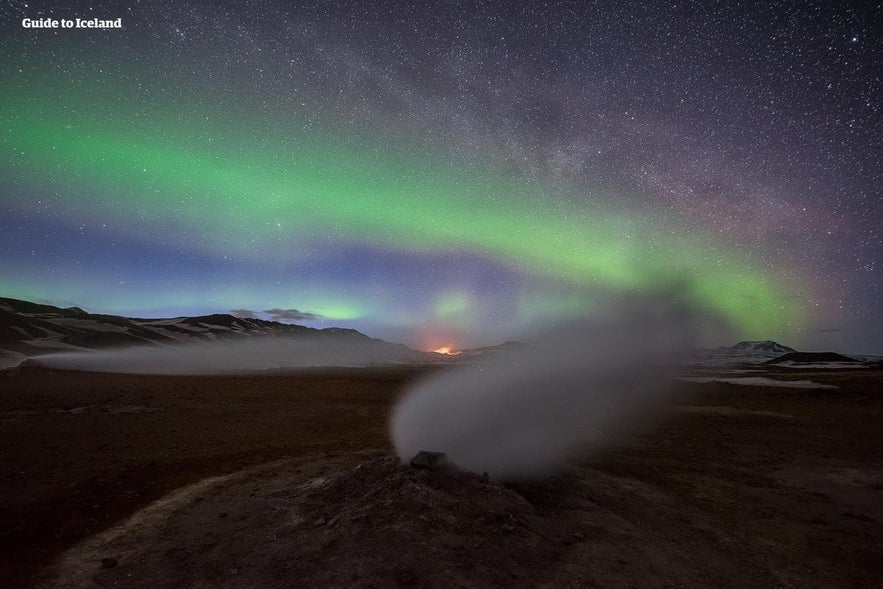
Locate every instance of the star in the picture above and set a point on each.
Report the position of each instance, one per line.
(364, 164)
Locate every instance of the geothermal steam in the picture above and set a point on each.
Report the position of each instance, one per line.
(571, 392)
(231, 357)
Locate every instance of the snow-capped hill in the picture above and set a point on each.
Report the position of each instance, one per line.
(745, 352)
(30, 329)
(758, 348)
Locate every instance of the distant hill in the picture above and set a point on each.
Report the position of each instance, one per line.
(489, 350)
(30, 329)
(744, 352)
(758, 348)
(812, 358)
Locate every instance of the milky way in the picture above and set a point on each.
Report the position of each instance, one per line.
(448, 175)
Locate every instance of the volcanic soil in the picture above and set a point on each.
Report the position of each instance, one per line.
(287, 480)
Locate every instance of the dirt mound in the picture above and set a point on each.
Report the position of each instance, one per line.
(386, 521)
(383, 524)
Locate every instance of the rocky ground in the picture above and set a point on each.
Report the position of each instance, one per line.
(286, 480)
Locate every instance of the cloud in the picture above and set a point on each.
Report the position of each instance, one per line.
(829, 330)
(276, 314)
(291, 315)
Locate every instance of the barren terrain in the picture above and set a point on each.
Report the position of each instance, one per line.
(734, 485)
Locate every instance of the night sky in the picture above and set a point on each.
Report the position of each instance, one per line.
(448, 173)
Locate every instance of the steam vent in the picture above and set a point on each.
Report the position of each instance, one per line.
(385, 523)
(430, 460)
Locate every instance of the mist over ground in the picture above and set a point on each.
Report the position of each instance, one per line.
(574, 390)
(232, 357)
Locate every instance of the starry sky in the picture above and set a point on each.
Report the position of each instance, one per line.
(451, 173)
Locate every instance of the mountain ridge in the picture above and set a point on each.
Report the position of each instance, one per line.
(760, 347)
(28, 329)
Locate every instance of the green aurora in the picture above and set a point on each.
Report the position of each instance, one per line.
(232, 180)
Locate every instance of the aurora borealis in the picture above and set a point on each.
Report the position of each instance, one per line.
(406, 173)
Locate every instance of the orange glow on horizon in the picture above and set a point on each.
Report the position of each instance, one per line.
(447, 350)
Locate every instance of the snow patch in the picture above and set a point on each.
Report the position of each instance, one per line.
(760, 381)
(822, 365)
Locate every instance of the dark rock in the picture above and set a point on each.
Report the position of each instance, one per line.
(430, 460)
(108, 562)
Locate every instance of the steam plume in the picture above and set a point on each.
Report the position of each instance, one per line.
(573, 391)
